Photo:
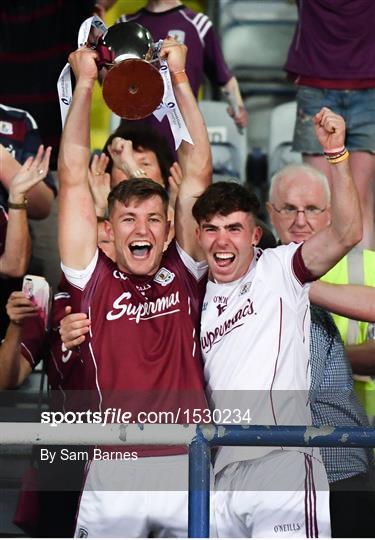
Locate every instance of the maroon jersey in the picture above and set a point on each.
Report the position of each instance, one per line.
(196, 31)
(143, 345)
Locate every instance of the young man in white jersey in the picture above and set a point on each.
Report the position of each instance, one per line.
(255, 345)
(142, 352)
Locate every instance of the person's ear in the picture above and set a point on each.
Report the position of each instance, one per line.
(257, 235)
(167, 229)
(270, 210)
(108, 230)
(198, 234)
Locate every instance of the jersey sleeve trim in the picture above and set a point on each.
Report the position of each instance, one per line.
(30, 118)
(301, 273)
(197, 269)
(128, 18)
(80, 278)
(27, 354)
(201, 23)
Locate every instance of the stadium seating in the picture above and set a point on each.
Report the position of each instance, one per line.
(229, 146)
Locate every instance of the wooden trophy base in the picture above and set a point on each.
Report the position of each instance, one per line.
(133, 89)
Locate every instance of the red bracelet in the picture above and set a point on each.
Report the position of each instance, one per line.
(334, 150)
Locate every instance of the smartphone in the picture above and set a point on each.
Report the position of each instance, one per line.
(38, 290)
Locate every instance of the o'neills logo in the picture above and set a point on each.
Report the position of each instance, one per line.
(145, 310)
(287, 527)
(214, 336)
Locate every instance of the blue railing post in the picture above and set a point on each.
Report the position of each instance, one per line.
(236, 435)
(199, 488)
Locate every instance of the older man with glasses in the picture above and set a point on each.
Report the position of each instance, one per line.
(299, 203)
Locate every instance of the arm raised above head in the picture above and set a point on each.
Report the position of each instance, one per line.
(195, 159)
(325, 248)
(77, 218)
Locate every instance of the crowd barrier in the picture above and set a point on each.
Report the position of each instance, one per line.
(200, 439)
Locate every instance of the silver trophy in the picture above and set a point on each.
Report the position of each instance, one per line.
(132, 85)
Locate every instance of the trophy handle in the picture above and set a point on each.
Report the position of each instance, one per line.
(106, 56)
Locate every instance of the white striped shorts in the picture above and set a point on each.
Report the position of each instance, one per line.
(283, 494)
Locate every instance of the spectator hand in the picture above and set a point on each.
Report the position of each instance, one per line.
(73, 328)
(241, 118)
(329, 129)
(100, 182)
(122, 153)
(174, 181)
(31, 173)
(19, 308)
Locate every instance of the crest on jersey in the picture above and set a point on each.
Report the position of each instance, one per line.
(221, 303)
(245, 288)
(221, 308)
(6, 128)
(164, 277)
(178, 35)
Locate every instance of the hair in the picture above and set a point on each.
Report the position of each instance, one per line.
(144, 138)
(294, 170)
(139, 189)
(267, 239)
(224, 198)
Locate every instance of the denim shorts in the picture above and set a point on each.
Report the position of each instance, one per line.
(356, 106)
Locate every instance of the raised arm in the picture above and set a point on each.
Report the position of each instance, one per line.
(77, 218)
(351, 301)
(325, 248)
(15, 258)
(195, 159)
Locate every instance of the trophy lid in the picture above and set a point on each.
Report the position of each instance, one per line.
(129, 40)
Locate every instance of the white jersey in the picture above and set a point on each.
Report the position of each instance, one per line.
(255, 345)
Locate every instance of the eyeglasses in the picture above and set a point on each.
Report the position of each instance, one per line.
(290, 211)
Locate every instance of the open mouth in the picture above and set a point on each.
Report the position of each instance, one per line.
(140, 248)
(224, 259)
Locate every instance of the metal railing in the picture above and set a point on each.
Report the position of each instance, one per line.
(199, 439)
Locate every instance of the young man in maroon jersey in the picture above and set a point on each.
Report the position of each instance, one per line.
(144, 312)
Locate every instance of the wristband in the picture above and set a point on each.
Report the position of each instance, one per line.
(17, 206)
(337, 159)
(338, 150)
(179, 77)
